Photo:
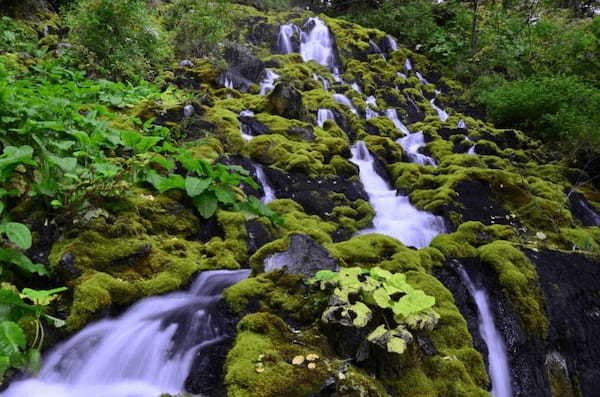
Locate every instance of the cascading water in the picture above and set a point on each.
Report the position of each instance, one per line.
(441, 112)
(411, 145)
(392, 114)
(264, 182)
(135, 355)
(391, 42)
(344, 100)
(356, 87)
(243, 128)
(589, 211)
(497, 357)
(285, 44)
(461, 124)
(395, 216)
(422, 79)
(324, 115)
(323, 80)
(317, 44)
(268, 83)
(408, 65)
(369, 112)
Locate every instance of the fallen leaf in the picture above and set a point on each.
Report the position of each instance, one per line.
(298, 360)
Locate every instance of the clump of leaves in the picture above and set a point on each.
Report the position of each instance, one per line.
(357, 293)
(18, 309)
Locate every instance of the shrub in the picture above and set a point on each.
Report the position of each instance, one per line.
(560, 110)
(120, 38)
(198, 25)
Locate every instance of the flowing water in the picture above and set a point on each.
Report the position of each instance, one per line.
(441, 112)
(268, 83)
(411, 145)
(395, 216)
(135, 355)
(323, 80)
(285, 44)
(344, 100)
(264, 182)
(392, 114)
(244, 132)
(317, 44)
(497, 357)
(323, 115)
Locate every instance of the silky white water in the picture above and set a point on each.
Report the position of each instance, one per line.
(268, 83)
(497, 357)
(392, 114)
(317, 44)
(344, 100)
(395, 216)
(323, 80)
(243, 129)
(411, 145)
(264, 182)
(441, 112)
(323, 115)
(135, 355)
(284, 39)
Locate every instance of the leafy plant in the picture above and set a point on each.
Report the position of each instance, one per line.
(358, 294)
(23, 309)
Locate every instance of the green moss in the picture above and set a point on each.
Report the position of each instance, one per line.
(296, 221)
(518, 278)
(468, 237)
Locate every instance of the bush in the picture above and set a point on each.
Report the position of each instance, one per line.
(119, 38)
(199, 26)
(560, 110)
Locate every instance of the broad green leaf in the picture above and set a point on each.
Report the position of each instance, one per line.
(18, 233)
(12, 338)
(398, 280)
(382, 298)
(1, 207)
(380, 274)
(362, 312)
(413, 302)
(146, 143)
(196, 186)
(130, 138)
(172, 182)
(163, 162)
(325, 275)
(10, 297)
(42, 297)
(224, 195)
(206, 203)
(67, 164)
(4, 365)
(23, 263)
(14, 155)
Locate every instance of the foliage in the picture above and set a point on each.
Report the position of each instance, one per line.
(559, 110)
(18, 310)
(199, 26)
(119, 38)
(15, 36)
(358, 294)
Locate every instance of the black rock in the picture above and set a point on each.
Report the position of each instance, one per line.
(582, 210)
(233, 78)
(304, 256)
(258, 235)
(241, 60)
(253, 127)
(286, 101)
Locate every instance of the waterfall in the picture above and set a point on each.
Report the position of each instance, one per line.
(317, 44)
(400, 74)
(395, 216)
(411, 145)
(422, 79)
(146, 351)
(461, 124)
(391, 42)
(441, 112)
(392, 114)
(497, 357)
(244, 130)
(228, 83)
(408, 65)
(588, 210)
(344, 100)
(268, 83)
(356, 87)
(324, 115)
(264, 182)
(284, 39)
(323, 80)
(369, 112)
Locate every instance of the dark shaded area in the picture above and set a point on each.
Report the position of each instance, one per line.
(582, 210)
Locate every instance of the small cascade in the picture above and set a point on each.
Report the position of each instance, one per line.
(395, 216)
(344, 100)
(391, 42)
(244, 128)
(317, 44)
(356, 87)
(411, 145)
(228, 83)
(392, 114)
(408, 65)
(498, 360)
(146, 351)
(400, 74)
(324, 115)
(323, 80)
(441, 112)
(369, 112)
(268, 83)
(422, 79)
(285, 44)
(461, 124)
(264, 182)
(590, 213)
(471, 150)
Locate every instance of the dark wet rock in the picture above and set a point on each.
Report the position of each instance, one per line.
(306, 134)
(570, 284)
(583, 210)
(286, 101)
(415, 114)
(313, 194)
(134, 258)
(67, 266)
(258, 235)
(304, 256)
(235, 80)
(447, 133)
(210, 228)
(195, 128)
(344, 124)
(386, 45)
(241, 60)
(504, 139)
(525, 352)
(391, 99)
(249, 166)
(426, 346)
(253, 127)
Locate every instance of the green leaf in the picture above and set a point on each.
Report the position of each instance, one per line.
(4, 365)
(206, 203)
(325, 275)
(12, 338)
(382, 298)
(380, 274)
(196, 186)
(18, 233)
(224, 195)
(172, 182)
(67, 164)
(362, 312)
(15, 155)
(130, 138)
(23, 263)
(1, 207)
(42, 297)
(413, 302)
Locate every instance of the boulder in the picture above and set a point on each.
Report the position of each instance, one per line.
(304, 256)
(286, 101)
(242, 61)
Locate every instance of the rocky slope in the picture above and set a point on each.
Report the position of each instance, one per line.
(512, 221)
